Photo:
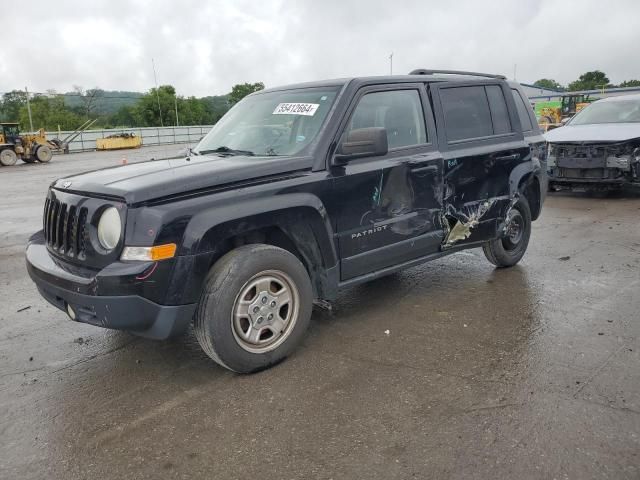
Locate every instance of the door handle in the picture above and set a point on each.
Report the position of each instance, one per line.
(429, 169)
(513, 156)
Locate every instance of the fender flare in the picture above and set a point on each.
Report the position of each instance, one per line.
(527, 170)
(244, 216)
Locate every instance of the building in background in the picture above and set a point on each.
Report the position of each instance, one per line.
(533, 91)
(537, 94)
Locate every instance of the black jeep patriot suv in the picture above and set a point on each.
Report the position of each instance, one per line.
(297, 192)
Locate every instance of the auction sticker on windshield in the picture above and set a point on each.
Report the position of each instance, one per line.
(296, 109)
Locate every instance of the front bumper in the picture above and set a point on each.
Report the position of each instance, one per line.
(63, 286)
(595, 170)
(568, 183)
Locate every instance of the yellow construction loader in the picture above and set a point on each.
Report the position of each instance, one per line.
(29, 148)
(33, 147)
(553, 114)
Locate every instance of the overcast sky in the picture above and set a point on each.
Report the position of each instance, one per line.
(205, 47)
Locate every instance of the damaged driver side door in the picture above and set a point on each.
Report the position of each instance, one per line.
(388, 206)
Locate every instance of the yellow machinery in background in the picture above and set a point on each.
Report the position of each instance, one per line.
(554, 113)
(29, 148)
(119, 141)
(33, 147)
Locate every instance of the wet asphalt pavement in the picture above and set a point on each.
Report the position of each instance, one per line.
(529, 372)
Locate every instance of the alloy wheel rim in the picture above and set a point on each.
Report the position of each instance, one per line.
(265, 311)
(514, 230)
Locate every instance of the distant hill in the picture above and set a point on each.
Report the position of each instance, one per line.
(108, 103)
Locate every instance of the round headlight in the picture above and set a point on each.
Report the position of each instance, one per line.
(109, 228)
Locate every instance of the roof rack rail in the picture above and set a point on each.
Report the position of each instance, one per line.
(424, 71)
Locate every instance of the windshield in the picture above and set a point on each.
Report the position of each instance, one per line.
(272, 123)
(617, 111)
(10, 129)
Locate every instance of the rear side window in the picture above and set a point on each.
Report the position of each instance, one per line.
(499, 112)
(523, 112)
(466, 113)
(398, 111)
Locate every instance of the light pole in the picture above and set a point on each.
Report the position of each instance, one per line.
(391, 64)
(29, 109)
(155, 78)
(175, 99)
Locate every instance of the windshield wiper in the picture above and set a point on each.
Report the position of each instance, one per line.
(227, 151)
(271, 152)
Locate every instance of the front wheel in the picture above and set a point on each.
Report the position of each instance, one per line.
(8, 158)
(44, 153)
(254, 309)
(507, 250)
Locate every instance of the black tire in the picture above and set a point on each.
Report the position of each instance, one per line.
(8, 157)
(43, 153)
(215, 321)
(29, 159)
(509, 249)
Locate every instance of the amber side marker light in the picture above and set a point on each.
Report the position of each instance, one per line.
(149, 254)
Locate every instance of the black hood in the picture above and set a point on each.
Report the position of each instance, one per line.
(154, 179)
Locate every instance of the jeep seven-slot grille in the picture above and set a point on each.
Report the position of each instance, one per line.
(64, 227)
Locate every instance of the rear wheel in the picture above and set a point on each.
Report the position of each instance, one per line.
(507, 250)
(255, 308)
(8, 157)
(44, 153)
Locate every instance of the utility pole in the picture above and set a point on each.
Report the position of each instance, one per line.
(515, 69)
(29, 109)
(391, 64)
(175, 98)
(157, 92)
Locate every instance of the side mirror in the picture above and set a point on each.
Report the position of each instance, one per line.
(363, 142)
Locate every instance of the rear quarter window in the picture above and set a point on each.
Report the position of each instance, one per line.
(499, 111)
(523, 112)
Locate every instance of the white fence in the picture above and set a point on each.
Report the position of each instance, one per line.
(86, 141)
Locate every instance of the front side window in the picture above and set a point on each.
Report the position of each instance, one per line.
(271, 123)
(397, 111)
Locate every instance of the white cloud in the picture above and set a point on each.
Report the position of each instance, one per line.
(204, 48)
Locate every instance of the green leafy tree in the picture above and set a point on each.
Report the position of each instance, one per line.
(156, 107)
(590, 81)
(49, 113)
(146, 113)
(11, 104)
(117, 109)
(630, 83)
(241, 90)
(124, 117)
(191, 110)
(548, 83)
(215, 107)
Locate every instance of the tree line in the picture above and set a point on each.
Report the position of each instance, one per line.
(595, 80)
(161, 106)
